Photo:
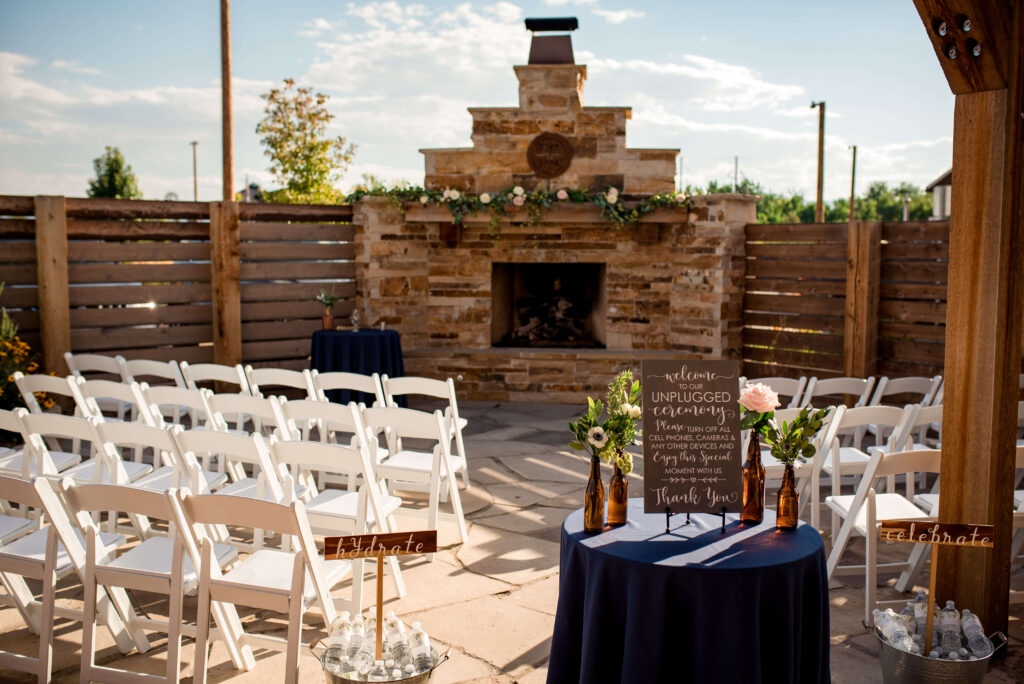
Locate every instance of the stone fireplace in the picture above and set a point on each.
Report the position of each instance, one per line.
(550, 311)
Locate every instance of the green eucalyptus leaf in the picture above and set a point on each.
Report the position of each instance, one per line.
(576, 445)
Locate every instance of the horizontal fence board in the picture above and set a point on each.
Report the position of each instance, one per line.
(794, 304)
(300, 251)
(138, 273)
(287, 364)
(80, 251)
(753, 369)
(280, 330)
(250, 211)
(18, 274)
(296, 232)
(797, 359)
(276, 349)
(782, 339)
(93, 338)
(291, 270)
(912, 331)
(913, 231)
(25, 320)
(899, 310)
(930, 291)
(107, 229)
(806, 232)
(295, 309)
(919, 352)
(190, 353)
(20, 297)
(101, 208)
(833, 324)
(262, 292)
(898, 368)
(83, 295)
(914, 250)
(915, 271)
(13, 228)
(782, 269)
(810, 287)
(798, 251)
(115, 317)
(18, 205)
(16, 252)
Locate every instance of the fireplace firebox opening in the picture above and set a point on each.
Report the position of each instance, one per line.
(548, 305)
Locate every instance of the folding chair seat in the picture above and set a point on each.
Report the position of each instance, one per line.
(862, 511)
(350, 382)
(99, 468)
(433, 469)
(437, 389)
(286, 580)
(260, 379)
(784, 387)
(153, 373)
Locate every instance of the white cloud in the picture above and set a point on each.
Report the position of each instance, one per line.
(75, 67)
(315, 27)
(578, 3)
(18, 87)
(619, 16)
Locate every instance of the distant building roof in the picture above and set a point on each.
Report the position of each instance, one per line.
(944, 179)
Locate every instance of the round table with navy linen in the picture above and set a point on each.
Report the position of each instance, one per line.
(364, 351)
(638, 605)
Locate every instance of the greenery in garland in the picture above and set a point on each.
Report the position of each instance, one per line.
(535, 202)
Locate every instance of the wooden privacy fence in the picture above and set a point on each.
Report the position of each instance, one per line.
(831, 299)
(191, 281)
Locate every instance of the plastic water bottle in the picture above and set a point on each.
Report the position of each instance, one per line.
(909, 620)
(398, 640)
(345, 668)
(419, 645)
(949, 628)
(337, 643)
(368, 650)
(921, 612)
(377, 673)
(893, 630)
(975, 633)
(358, 635)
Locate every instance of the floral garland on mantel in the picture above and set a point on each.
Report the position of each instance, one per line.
(536, 202)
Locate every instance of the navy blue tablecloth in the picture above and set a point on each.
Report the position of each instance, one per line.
(363, 351)
(638, 605)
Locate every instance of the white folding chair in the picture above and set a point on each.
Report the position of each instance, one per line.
(438, 389)
(108, 367)
(207, 374)
(862, 511)
(33, 387)
(263, 413)
(171, 405)
(838, 461)
(784, 387)
(125, 398)
(38, 427)
(406, 468)
(22, 461)
(350, 382)
(262, 378)
(234, 453)
(918, 385)
(153, 373)
(285, 580)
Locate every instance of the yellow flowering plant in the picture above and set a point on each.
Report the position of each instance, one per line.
(15, 355)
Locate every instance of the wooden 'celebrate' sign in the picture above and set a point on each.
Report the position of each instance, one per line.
(930, 532)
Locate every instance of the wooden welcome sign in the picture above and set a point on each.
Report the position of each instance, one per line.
(691, 436)
(378, 546)
(937, 534)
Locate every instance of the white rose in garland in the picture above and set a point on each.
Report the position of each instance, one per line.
(518, 190)
(485, 198)
(424, 199)
(455, 194)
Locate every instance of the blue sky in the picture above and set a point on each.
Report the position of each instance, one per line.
(714, 79)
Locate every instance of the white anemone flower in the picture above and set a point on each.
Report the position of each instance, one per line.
(597, 437)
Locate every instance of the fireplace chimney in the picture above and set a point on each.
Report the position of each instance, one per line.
(552, 49)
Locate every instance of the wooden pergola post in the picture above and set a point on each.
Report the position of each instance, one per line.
(52, 278)
(863, 273)
(982, 63)
(225, 275)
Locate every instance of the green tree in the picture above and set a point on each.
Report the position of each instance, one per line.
(114, 177)
(882, 203)
(303, 158)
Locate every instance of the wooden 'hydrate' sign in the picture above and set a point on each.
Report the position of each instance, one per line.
(691, 436)
(378, 546)
(937, 534)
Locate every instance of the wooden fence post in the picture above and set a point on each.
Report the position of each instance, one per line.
(226, 292)
(863, 271)
(52, 280)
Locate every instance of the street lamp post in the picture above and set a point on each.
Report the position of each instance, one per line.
(819, 206)
(195, 172)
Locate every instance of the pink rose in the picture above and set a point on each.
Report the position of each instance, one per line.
(562, 195)
(518, 200)
(759, 398)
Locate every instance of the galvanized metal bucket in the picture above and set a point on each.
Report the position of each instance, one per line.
(332, 678)
(900, 667)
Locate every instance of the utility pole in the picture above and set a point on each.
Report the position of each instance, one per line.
(819, 205)
(195, 172)
(227, 130)
(853, 176)
(735, 173)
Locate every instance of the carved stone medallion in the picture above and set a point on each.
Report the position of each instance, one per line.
(549, 155)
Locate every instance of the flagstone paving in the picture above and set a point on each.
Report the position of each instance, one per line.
(492, 600)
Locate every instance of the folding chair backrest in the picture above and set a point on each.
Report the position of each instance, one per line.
(248, 449)
(17, 490)
(788, 387)
(10, 422)
(28, 385)
(429, 387)
(39, 428)
(403, 422)
(209, 373)
(263, 412)
(84, 499)
(122, 434)
(262, 378)
(353, 382)
(917, 385)
(139, 370)
(303, 414)
(858, 387)
(129, 395)
(80, 364)
(165, 404)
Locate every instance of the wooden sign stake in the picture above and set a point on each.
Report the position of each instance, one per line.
(937, 534)
(378, 546)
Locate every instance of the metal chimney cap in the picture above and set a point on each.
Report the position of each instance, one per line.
(552, 24)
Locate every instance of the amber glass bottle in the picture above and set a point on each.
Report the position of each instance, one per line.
(789, 502)
(593, 500)
(618, 497)
(753, 483)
